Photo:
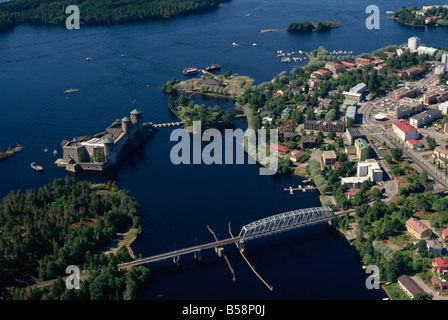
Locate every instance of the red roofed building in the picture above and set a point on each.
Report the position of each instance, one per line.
(414, 143)
(440, 265)
(350, 193)
(441, 283)
(362, 61)
(404, 130)
(445, 234)
(348, 64)
(417, 228)
(278, 147)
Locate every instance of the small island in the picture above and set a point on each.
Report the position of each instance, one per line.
(11, 151)
(306, 26)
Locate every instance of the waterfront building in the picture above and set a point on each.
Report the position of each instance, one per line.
(362, 149)
(424, 118)
(417, 228)
(409, 286)
(362, 61)
(370, 168)
(104, 149)
(351, 182)
(404, 130)
(413, 43)
(426, 50)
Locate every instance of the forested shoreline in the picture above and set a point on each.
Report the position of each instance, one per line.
(98, 12)
(43, 231)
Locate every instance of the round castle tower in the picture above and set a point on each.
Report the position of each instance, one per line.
(125, 124)
(108, 148)
(137, 119)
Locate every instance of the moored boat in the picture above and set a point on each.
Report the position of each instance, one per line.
(213, 67)
(191, 70)
(36, 167)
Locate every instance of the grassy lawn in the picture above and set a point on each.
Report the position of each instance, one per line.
(395, 292)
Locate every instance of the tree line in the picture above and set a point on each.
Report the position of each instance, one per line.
(43, 231)
(98, 12)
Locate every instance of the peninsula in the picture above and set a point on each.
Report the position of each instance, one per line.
(430, 16)
(104, 149)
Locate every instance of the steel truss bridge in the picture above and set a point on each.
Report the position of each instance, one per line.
(275, 224)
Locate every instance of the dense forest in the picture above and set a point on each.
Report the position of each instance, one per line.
(306, 26)
(43, 231)
(98, 12)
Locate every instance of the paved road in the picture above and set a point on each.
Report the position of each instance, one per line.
(428, 289)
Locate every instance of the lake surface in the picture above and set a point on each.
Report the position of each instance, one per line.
(129, 64)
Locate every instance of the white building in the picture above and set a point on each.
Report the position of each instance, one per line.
(371, 169)
(413, 43)
(426, 50)
(444, 107)
(405, 131)
(445, 58)
(425, 117)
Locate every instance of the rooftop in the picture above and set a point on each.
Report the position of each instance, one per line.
(404, 126)
(417, 225)
(407, 282)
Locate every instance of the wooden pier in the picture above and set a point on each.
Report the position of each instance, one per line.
(300, 188)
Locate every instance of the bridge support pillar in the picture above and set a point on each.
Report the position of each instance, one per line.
(198, 255)
(176, 260)
(241, 246)
(219, 251)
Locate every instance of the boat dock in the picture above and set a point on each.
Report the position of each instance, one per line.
(167, 124)
(300, 188)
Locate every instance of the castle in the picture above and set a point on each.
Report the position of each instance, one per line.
(104, 149)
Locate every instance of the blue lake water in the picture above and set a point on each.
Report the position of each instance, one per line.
(129, 64)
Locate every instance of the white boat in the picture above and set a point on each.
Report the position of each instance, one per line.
(254, 44)
(36, 167)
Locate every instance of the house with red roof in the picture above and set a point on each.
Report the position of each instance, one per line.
(440, 265)
(445, 234)
(350, 193)
(441, 283)
(417, 228)
(278, 147)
